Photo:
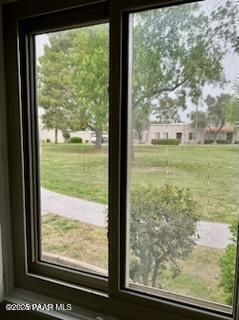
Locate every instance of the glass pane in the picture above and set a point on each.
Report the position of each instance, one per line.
(72, 95)
(183, 152)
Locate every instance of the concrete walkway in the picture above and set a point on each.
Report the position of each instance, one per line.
(73, 208)
(211, 234)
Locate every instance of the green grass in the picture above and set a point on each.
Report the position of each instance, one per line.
(199, 276)
(76, 170)
(74, 239)
(211, 172)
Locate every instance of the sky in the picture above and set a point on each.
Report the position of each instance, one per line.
(230, 63)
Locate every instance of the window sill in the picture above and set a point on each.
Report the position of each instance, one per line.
(19, 296)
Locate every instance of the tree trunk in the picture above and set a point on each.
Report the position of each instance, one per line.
(98, 139)
(196, 125)
(215, 139)
(155, 273)
(56, 135)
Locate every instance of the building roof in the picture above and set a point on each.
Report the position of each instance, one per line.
(223, 130)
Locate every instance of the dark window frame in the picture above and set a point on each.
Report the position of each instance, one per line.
(28, 28)
(81, 288)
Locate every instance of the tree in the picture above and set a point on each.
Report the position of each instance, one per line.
(218, 112)
(227, 265)
(162, 230)
(176, 51)
(198, 119)
(74, 80)
(139, 120)
(226, 17)
(56, 92)
(89, 61)
(168, 109)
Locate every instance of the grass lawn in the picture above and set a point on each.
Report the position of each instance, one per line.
(211, 172)
(199, 275)
(74, 239)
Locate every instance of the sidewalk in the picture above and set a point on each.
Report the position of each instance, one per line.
(211, 234)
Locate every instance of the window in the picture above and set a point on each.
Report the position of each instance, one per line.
(72, 100)
(191, 136)
(165, 135)
(104, 217)
(157, 135)
(179, 243)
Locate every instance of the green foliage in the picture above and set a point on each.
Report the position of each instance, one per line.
(198, 119)
(73, 80)
(89, 56)
(162, 227)
(222, 141)
(166, 75)
(227, 265)
(166, 141)
(48, 140)
(75, 140)
(66, 135)
(218, 112)
(56, 92)
(73, 72)
(208, 141)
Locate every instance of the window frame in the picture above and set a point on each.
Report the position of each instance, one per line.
(81, 289)
(28, 29)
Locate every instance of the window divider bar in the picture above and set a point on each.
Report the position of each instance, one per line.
(114, 148)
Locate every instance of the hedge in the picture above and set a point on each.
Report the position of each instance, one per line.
(75, 140)
(223, 141)
(208, 141)
(165, 141)
(219, 141)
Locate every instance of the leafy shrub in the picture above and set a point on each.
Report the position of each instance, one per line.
(165, 141)
(163, 227)
(223, 141)
(48, 140)
(207, 141)
(236, 142)
(66, 135)
(227, 265)
(75, 140)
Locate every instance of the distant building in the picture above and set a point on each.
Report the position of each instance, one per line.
(187, 134)
(49, 134)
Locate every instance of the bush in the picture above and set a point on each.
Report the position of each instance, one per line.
(165, 141)
(162, 231)
(207, 141)
(66, 135)
(223, 141)
(75, 140)
(227, 265)
(48, 140)
(236, 142)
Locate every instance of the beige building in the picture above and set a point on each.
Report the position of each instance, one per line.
(45, 134)
(187, 134)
